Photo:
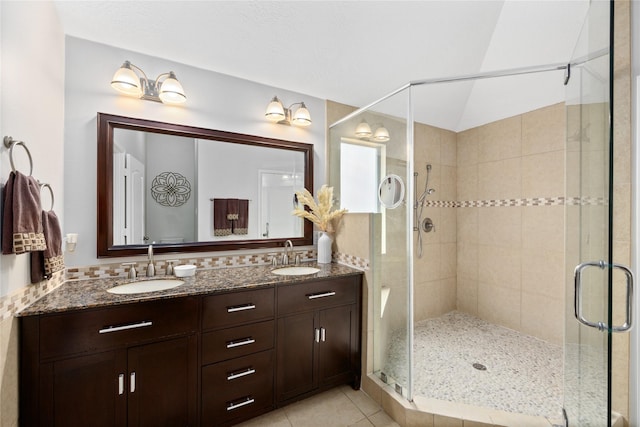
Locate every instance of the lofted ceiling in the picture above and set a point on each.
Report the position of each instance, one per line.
(355, 52)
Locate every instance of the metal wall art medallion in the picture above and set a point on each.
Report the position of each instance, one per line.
(170, 189)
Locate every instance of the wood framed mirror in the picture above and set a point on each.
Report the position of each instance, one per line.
(189, 189)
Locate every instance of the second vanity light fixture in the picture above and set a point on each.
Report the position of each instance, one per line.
(363, 131)
(165, 88)
(277, 113)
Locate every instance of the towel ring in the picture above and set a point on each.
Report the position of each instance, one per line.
(9, 142)
(50, 191)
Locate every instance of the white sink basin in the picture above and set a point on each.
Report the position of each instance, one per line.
(153, 285)
(295, 271)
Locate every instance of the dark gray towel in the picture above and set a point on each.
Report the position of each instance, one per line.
(45, 263)
(22, 222)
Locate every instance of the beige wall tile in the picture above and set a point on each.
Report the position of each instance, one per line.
(447, 225)
(426, 146)
(500, 140)
(467, 182)
(467, 225)
(467, 153)
(501, 179)
(500, 305)
(543, 228)
(543, 273)
(9, 372)
(500, 226)
(543, 175)
(448, 260)
(448, 148)
(447, 189)
(543, 130)
(467, 255)
(500, 266)
(429, 300)
(467, 295)
(353, 234)
(427, 267)
(543, 317)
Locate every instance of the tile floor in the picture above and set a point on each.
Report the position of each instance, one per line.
(341, 406)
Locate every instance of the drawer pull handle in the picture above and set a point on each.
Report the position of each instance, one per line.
(247, 401)
(121, 384)
(321, 295)
(125, 327)
(132, 382)
(323, 334)
(241, 374)
(245, 341)
(317, 335)
(241, 308)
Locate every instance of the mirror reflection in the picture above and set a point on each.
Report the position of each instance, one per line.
(391, 191)
(199, 190)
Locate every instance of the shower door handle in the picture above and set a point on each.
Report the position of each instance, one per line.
(578, 296)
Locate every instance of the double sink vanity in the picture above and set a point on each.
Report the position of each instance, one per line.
(223, 346)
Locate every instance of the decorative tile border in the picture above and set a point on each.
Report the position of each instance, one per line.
(535, 201)
(118, 270)
(350, 260)
(12, 304)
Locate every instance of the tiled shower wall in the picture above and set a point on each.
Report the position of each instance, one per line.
(498, 248)
(435, 272)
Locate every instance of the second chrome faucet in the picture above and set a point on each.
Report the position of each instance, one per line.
(151, 269)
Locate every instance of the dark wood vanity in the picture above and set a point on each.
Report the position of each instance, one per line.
(210, 359)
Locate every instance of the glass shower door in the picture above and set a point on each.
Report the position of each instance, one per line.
(592, 276)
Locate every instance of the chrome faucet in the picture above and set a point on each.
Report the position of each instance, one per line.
(151, 269)
(285, 255)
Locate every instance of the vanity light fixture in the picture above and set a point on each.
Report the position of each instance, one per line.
(277, 113)
(381, 134)
(363, 131)
(165, 88)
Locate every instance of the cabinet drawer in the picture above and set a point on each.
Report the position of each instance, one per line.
(235, 342)
(314, 295)
(237, 388)
(99, 329)
(237, 308)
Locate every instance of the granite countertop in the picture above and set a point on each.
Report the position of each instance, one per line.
(81, 294)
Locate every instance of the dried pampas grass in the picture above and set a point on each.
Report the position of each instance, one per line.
(319, 213)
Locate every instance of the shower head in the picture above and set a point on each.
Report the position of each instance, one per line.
(431, 191)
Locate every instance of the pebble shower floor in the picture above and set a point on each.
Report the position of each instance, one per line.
(523, 374)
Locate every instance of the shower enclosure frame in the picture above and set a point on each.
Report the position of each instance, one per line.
(410, 193)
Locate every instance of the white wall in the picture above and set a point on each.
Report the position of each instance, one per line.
(214, 101)
(31, 108)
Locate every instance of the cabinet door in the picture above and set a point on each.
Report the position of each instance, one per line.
(161, 383)
(296, 355)
(336, 344)
(87, 391)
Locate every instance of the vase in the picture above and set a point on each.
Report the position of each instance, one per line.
(324, 248)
